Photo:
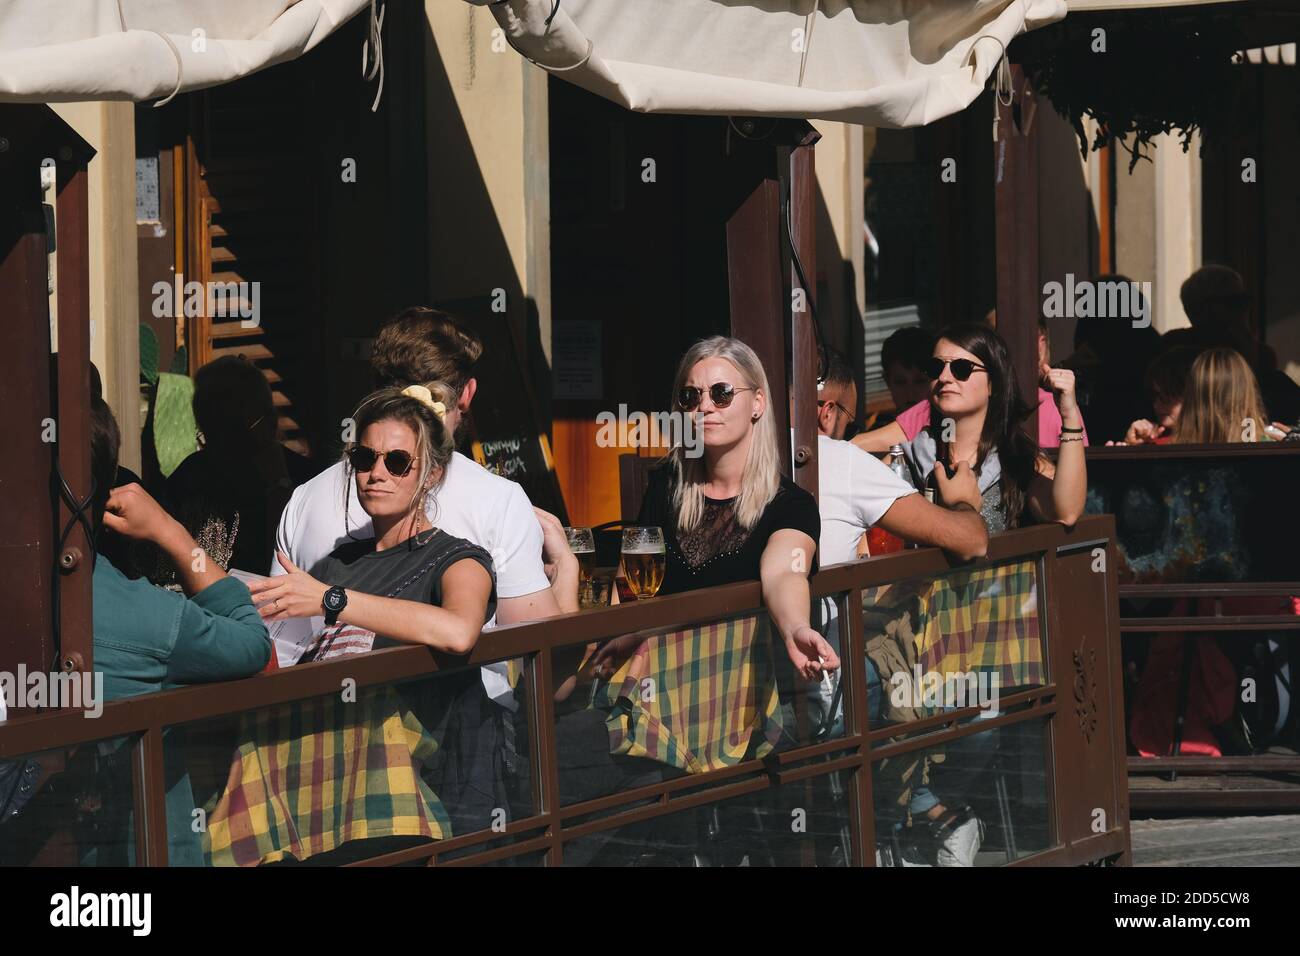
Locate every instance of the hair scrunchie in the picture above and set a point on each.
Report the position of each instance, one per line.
(425, 397)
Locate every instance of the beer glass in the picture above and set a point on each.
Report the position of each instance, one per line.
(583, 544)
(644, 560)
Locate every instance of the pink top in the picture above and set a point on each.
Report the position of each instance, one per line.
(913, 419)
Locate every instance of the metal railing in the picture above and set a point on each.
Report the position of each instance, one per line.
(1079, 704)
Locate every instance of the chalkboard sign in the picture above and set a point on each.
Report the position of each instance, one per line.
(505, 433)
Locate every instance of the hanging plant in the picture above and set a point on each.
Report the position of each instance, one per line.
(1137, 74)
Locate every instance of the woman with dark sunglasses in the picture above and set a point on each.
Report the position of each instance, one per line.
(411, 583)
(976, 416)
(727, 512)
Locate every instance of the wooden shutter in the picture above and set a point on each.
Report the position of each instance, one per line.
(252, 218)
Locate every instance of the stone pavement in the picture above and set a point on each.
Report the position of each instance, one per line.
(1217, 841)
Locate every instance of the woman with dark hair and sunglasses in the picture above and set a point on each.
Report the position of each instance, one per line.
(411, 583)
(976, 416)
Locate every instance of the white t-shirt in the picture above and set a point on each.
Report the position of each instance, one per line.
(472, 503)
(854, 490)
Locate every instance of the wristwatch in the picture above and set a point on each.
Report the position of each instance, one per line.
(334, 601)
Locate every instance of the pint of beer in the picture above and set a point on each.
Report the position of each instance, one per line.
(644, 560)
(583, 545)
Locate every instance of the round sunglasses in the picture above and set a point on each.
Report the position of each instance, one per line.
(961, 368)
(720, 393)
(397, 461)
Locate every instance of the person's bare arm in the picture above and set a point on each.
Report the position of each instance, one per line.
(784, 571)
(454, 627)
(529, 607)
(1060, 493)
(960, 530)
(878, 441)
(133, 513)
(560, 564)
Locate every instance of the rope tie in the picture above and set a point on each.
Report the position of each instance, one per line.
(370, 68)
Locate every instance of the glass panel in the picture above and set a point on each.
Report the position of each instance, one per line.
(68, 807)
(803, 823)
(963, 639)
(360, 773)
(655, 705)
(1180, 520)
(980, 800)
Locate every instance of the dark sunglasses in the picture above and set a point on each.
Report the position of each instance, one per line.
(961, 368)
(397, 461)
(722, 395)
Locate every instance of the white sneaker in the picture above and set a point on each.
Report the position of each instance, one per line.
(959, 840)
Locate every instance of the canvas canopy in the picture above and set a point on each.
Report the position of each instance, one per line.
(58, 50)
(877, 62)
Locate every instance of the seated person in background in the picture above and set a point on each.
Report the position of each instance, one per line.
(1216, 302)
(901, 357)
(857, 492)
(1166, 383)
(230, 492)
(913, 419)
(1110, 355)
(1221, 404)
(148, 638)
(973, 384)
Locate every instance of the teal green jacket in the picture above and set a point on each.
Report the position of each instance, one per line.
(149, 639)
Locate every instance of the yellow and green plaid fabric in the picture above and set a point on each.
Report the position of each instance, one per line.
(698, 699)
(310, 776)
(983, 620)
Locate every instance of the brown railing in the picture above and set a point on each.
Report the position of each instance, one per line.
(1077, 703)
(1236, 545)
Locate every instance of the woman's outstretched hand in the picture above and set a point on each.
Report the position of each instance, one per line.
(810, 653)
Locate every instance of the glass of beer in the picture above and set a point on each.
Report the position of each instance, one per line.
(644, 560)
(583, 544)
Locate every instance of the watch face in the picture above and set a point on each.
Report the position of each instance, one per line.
(334, 599)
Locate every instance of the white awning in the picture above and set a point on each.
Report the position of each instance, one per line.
(59, 50)
(876, 62)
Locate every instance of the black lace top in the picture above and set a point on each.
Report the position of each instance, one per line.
(719, 550)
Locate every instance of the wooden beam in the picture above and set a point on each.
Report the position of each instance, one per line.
(1015, 165)
(758, 303)
(803, 337)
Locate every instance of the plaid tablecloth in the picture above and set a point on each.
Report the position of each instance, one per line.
(308, 777)
(697, 699)
(984, 620)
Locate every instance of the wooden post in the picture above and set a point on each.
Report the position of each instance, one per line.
(762, 282)
(40, 431)
(803, 337)
(1015, 175)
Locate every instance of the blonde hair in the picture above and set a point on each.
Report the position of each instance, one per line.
(434, 443)
(761, 478)
(1221, 397)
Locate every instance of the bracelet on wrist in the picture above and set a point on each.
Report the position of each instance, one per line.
(1065, 429)
(1062, 439)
